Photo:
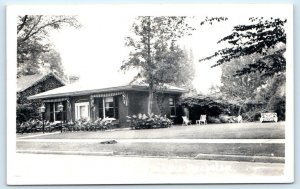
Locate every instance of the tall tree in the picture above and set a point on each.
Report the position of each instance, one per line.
(32, 38)
(154, 51)
(240, 89)
(253, 60)
(45, 62)
(266, 37)
(185, 70)
(52, 61)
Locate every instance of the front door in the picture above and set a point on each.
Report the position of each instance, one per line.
(82, 110)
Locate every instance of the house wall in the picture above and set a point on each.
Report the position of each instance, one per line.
(123, 112)
(96, 103)
(70, 114)
(47, 111)
(137, 103)
(48, 84)
(66, 117)
(164, 108)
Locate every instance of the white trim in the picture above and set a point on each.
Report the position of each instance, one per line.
(54, 112)
(77, 109)
(103, 106)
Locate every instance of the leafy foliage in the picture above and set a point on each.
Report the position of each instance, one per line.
(240, 87)
(32, 40)
(210, 20)
(46, 62)
(257, 38)
(253, 67)
(89, 125)
(273, 95)
(154, 52)
(209, 105)
(32, 125)
(220, 109)
(142, 121)
(268, 65)
(24, 112)
(253, 88)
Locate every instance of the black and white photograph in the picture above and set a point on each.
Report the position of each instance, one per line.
(150, 94)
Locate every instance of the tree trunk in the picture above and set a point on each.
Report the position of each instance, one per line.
(160, 100)
(241, 106)
(239, 113)
(150, 99)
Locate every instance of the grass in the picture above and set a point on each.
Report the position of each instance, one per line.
(210, 131)
(165, 149)
(190, 150)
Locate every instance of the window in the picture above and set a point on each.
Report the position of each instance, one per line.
(82, 110)
(108, 107)
(172, 106)
(55, 114)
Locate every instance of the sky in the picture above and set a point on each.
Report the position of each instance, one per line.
(96, 50)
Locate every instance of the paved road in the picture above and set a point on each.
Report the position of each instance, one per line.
(76, 169)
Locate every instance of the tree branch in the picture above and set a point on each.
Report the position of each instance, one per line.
(32, 28)
(20, 27)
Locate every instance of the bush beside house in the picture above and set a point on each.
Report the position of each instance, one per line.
(142, 121)
(219, 110)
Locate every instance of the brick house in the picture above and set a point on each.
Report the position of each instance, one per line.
(30, 85)
(104, 99)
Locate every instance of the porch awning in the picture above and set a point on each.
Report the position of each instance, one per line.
(56, 100)
(107, 94)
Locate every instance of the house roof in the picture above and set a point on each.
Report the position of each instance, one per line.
(28, 81)
(87, 88)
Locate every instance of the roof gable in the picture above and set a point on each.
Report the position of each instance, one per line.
(28, 81)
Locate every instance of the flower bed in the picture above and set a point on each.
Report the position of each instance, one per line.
(142, 121)
(32, 125)
(98, 124)
(35, 125)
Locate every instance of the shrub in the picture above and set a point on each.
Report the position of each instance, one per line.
(24, 112)
(227, 119)
(98, 124)
(142, 121)
(32, 125)
(213, 119)
(223, 118)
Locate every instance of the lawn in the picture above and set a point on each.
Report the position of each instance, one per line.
(168, 149)
(165, 149)
(210, 131)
